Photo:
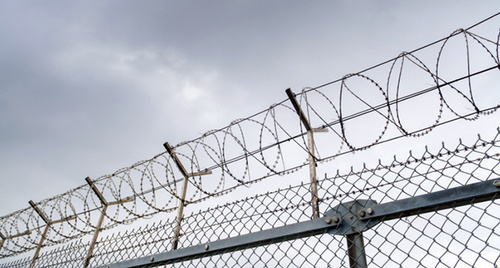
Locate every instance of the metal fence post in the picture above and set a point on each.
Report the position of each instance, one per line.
(182, 203)
(356, 250)
(48, 223)
(310, 148)
(312, 174)
(105, 205)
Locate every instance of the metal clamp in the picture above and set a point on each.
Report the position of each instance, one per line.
(351, 217)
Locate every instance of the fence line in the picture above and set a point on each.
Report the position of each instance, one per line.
(431, 172)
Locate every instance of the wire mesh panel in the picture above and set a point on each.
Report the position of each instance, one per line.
(465, 234)
(461, 235)
(68, 255)
(72, 254)
(140, 242)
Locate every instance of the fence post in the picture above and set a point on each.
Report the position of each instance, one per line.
(312, 174)
(48, 223)
(310, 149)
(356, 250)
(105, 205)
(180, 209)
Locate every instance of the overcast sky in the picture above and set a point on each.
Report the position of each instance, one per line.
(89, 87)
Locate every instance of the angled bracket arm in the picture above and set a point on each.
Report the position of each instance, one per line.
(39, 212)
(96, 191)
(297, 108)
(180, 166)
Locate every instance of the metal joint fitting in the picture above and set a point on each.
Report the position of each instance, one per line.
(370, 211)
(362, 213)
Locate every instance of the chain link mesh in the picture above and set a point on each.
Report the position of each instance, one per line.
(460, 236)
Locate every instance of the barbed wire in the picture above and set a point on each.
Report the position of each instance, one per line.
(441, 168)
(258, 147)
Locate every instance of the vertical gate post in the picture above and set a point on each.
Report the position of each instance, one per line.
(182, 203)
(310, 148)
(48, 224)
(105, 205)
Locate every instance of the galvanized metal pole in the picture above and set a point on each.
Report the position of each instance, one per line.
(99, 223)
(312, 174)
(35, 257)
(47, 226)
(180, 209)
(48, 223)
(182, 203)
(96, 234)
(105, 205)
(356, 250)
(310, 148)
(180, 214)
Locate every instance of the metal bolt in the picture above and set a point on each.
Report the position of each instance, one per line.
(349, 206)
(152, 258)
(328, 220)
(351, 216)
(207, 247)
(370, 211)
(361, 213)
(497, 183)
(335, 219)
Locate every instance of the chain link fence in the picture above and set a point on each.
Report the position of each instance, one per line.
(466, 235)
(459, 236)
